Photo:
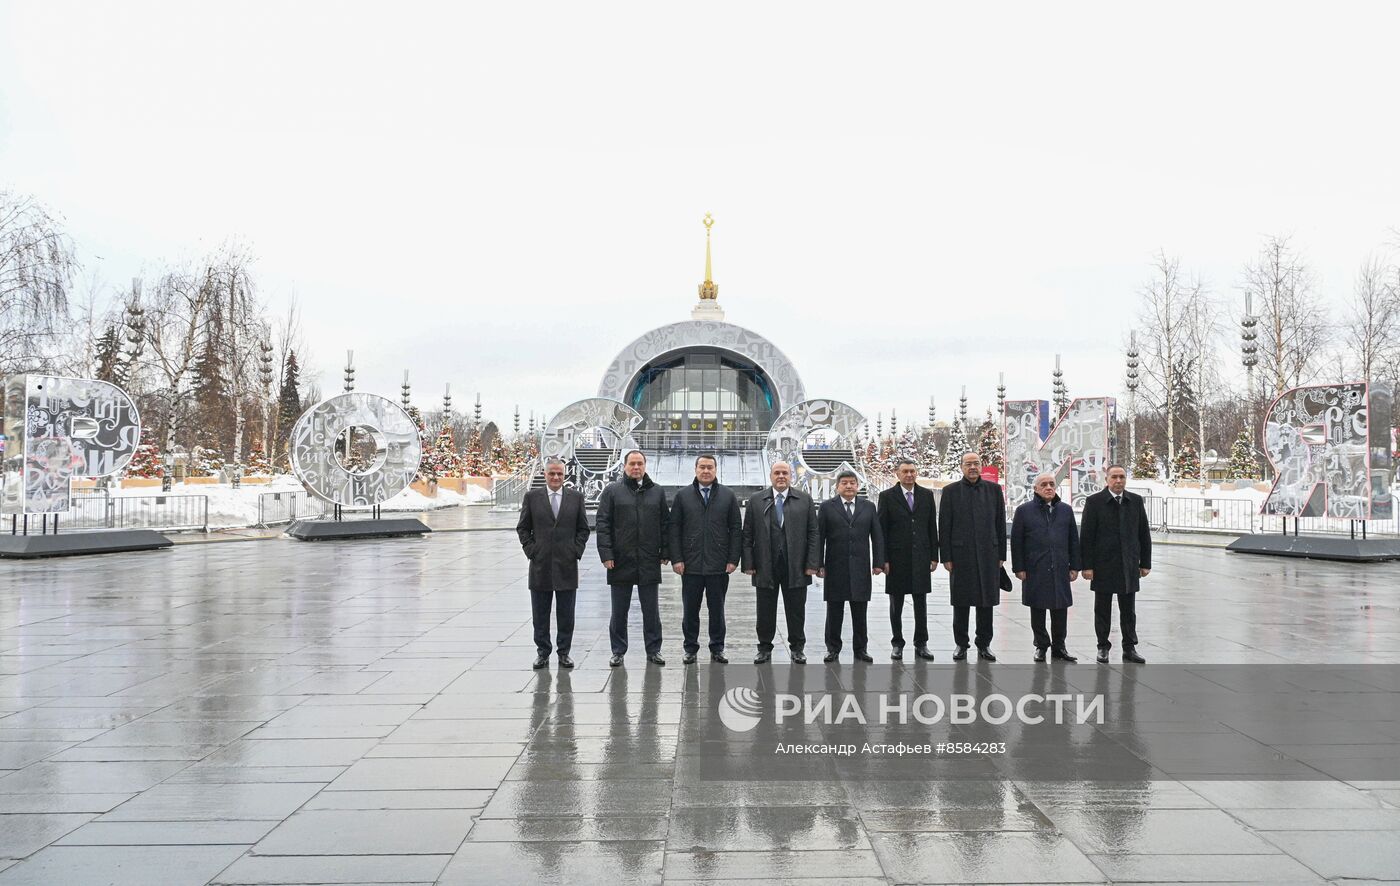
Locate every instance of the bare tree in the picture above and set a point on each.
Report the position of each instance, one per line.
(1168, 305)
(242, 331)
(177, 311)
(36, 272)
(1204, 325)
(1293, 329)
(1371, 333)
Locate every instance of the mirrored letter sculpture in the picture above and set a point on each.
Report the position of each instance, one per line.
(57, 428)
(1330, 447)
(818, 438)
(1080, 446)
(356, 450)
(591, 436)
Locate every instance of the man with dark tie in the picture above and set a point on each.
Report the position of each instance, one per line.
(852, 549)
(780, 554)
(706, 543)
(1045, 556)
(972, 542)
(553, 530)
(908, 519)
(1117, 551)
(632, 538)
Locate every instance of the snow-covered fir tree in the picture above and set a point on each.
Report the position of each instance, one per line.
(474, 456)
(1243, 463)
(929, 458)
(989, 445)
(205, 462)
(499, 457)
(443, 459)
(258, 463)
(145, 462)
(957, 445)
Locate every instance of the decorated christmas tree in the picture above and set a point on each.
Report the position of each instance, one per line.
(425, 445)
(499, 457)
(473, 458)
(1187, 465)
(1243, 464)
(443, 458)
(145, 462)
(1145, 467)
(930, 459)
(205, 462)
(957, 445)
(989, 445)
(258, 463)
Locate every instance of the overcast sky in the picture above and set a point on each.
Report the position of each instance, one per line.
(909, 198)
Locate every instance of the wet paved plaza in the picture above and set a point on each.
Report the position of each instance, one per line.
(280, 712)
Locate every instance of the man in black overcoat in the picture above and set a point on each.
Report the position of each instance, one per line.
(1117, 550)
(852, 550)
(553, 530)
(706, 543)
(780, 554)
(632, 539)
(909, 521)
(1045, 556)
(972, 543)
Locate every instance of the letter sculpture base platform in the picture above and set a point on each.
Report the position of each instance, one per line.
(331, 530)
(1319, 547)
(69, 544)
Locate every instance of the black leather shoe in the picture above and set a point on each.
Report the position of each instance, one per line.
(565, 661)
(830, 656)
(1130, 654)
(615, 661)
(541, 661)
(1039, 654)
(763, 658)
(897, 651)
(922, 652)
(718, 658)
(960, 654)
(864, 656)
(1102, 657)
(985, 654)
(1062, 654)
(657, 660)
(689, 658)
(798, 657)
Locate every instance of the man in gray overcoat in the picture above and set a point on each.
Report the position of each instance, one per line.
(553, 531)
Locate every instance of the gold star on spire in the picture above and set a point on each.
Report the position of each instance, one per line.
(708, 290)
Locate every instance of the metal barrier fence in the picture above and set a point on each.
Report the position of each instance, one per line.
(276, 508)
(162, 513)
(1240, 516)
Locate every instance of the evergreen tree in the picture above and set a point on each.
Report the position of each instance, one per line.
(957, 445)
(145, 462)
(930, 459)
(473, 456)
(213, 413)
(288, 406)
(1243, 463)
(258, 463)
(499, 458)
(108, 356)
(205, 462)
(425, 446)
(1188, 462)
(443, 460)
(1146, 465)
(989, 445)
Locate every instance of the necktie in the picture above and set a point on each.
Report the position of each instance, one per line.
(851, 509)
(554, 504)
(778, 504)
(705, 493)
(909, 497)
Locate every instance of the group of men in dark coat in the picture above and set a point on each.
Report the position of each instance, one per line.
(784, 540)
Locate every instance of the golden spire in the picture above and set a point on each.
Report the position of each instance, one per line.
(708, 289)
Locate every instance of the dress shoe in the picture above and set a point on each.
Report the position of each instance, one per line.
(922, 652)
(960, 654)
(985, 654)
(565, 661)
(830, 657)
(897, 651)
(718, 658)
(657, 660)
(1102, 657)
(763, 658)
(865, 657)
(1130, 654)
(1039, 654)
(615, 661)
(798, 657)
(1060, 653)
(689, 658)
(540, 662)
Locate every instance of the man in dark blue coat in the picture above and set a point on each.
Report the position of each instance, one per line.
(706, 544)
(1045, 557)
(852, 549)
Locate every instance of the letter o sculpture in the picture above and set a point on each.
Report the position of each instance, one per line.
(313, 441)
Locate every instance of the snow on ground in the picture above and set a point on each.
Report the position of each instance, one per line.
(232, 508)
